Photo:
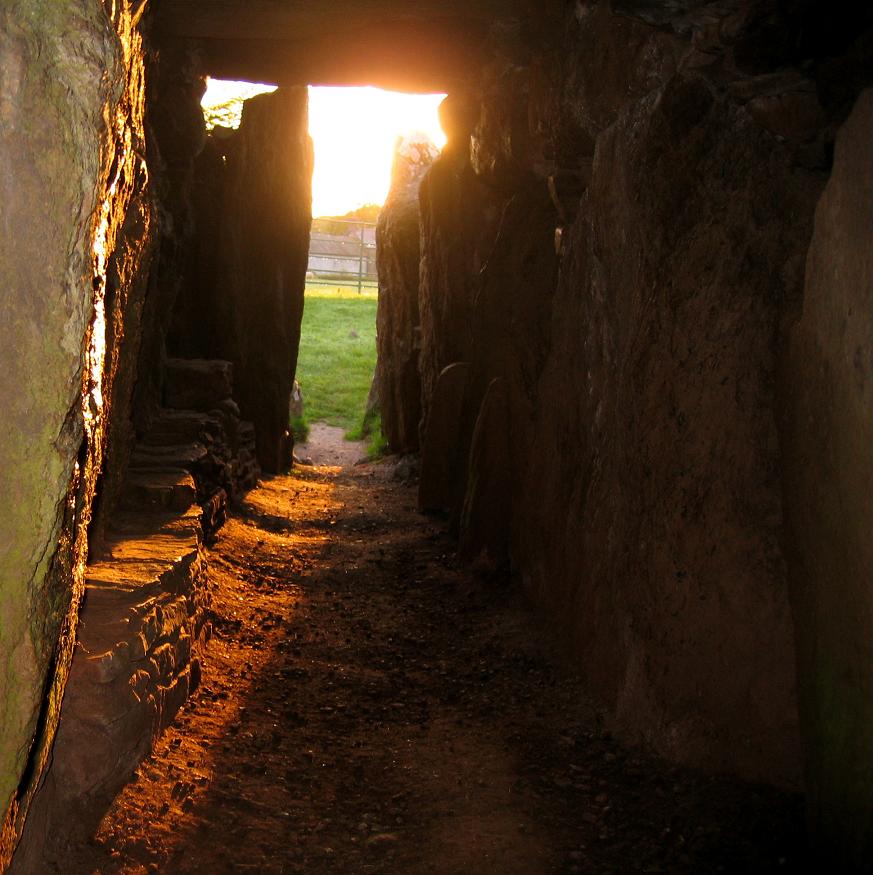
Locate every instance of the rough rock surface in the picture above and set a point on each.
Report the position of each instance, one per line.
(397, 319)
(656, 413)
(639, 364)
(444, 449)
(244, 299)
(71, 186)
(200, 431)
(144, 614)
(485, 518)
(616, 233)
(177, 135)
(828, 435)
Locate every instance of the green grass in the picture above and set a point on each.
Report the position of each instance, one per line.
(300, 429)
(335, 367)
(377, 445)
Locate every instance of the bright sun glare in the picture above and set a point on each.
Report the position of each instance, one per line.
(354, 131)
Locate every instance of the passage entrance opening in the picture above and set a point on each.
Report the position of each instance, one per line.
(359, 136)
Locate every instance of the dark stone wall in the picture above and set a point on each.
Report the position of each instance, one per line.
(243, 298)
(616, 235)
(828, 439)
(176, 137)
(655, 440)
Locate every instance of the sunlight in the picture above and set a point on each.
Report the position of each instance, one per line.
(223, 101)
(354, 131)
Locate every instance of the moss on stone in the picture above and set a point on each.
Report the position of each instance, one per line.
(54, 61)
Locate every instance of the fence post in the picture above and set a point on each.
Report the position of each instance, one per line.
(361, 262)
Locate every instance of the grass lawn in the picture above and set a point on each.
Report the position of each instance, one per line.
(337, 354)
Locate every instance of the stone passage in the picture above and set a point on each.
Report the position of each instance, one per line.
(642, 388)
(145, 615)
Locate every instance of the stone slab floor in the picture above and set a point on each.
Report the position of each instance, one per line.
(369, 704)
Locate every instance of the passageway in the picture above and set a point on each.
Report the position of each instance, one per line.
(625, 324)
(369, 704)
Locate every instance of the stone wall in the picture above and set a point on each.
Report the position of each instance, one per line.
(176, 138)
(243, 298)
(656, 411)
(397, 320)
(75, 230)
(605, 247)
(144, 616)
(614, 318)
(135, 655)
(828, 438)
(135, 662)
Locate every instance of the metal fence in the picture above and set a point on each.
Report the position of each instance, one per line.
(342, 252)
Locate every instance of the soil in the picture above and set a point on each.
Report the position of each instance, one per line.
(327, 446)
(370, 704)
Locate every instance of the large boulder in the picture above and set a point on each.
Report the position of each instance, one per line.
(397, 319)
(74, 225)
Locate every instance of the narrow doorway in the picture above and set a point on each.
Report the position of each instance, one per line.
(355, 132)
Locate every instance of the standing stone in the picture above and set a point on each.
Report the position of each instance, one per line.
(486, 518)
(652, 496)
(444, 448)
(487, 272)
(828, 439)
(628, 282)
(71, 186)
(458, 221)
(397, 319)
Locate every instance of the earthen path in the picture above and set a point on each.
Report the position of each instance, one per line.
(368, 704)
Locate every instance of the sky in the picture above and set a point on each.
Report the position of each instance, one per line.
(354, 131)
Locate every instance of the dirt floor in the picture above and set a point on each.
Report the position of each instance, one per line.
(369, 704)
(327, 446)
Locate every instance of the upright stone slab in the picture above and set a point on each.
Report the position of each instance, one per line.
(73, 229)
(653, 498)
(397, 320)
(828, 439)
(486, 519)
(443, 448)
(609, 236)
